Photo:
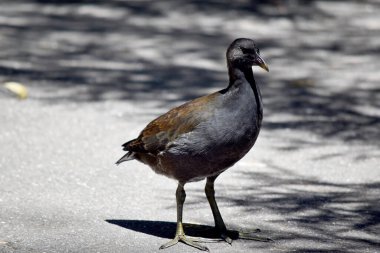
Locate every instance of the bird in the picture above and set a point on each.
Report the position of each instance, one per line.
(204, 137)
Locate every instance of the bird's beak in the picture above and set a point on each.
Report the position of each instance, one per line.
(261, 63)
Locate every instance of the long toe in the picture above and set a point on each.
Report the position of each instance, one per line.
(230, 235)
(170, 243)
(205, 240)
(185, 240)
(252, 236)
(193, 244)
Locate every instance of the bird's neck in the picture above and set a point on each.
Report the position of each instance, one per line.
(244, 76)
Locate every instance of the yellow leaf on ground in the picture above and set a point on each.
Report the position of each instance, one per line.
(17, 88)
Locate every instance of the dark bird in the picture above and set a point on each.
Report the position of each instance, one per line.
(204, 137)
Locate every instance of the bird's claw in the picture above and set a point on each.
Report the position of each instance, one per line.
(185, 240)
(226, 238)
(230, 235)
(250, 236)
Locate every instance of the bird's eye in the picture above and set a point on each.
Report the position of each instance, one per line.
(247, 50)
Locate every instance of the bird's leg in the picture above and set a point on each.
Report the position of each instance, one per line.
(180, 234)
(219, 223)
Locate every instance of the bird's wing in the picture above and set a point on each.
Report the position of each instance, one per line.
(169, 126)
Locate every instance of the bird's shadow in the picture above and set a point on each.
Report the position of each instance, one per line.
(166, 229)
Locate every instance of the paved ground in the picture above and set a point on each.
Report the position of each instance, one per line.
(98, 71)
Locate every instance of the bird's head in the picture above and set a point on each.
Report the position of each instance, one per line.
(243, 53)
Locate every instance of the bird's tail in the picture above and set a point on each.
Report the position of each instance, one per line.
(128, 156)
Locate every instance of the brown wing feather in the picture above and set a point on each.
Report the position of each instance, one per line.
(169, 126)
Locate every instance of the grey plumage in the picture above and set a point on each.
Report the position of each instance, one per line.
(204, 137)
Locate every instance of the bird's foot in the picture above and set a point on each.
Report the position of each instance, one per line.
(251, 236)
(185, 240)
(231, 235)
(208, 234)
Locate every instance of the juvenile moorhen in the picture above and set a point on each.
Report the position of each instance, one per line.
(204, 137)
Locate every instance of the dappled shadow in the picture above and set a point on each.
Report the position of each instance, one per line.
(301, 214)
(305, 214)
(170, 52)
(324, 78)
(334, 115)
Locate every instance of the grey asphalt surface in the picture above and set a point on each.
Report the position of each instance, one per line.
(99, 71)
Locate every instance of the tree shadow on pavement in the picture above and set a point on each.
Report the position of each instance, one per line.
(305, 214)
(302, 214)
(73, 51)
(323, 57)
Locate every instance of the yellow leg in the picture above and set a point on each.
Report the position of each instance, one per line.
(180, 234)
(219, 223)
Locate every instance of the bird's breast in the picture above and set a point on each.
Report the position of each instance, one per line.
(216, 143)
